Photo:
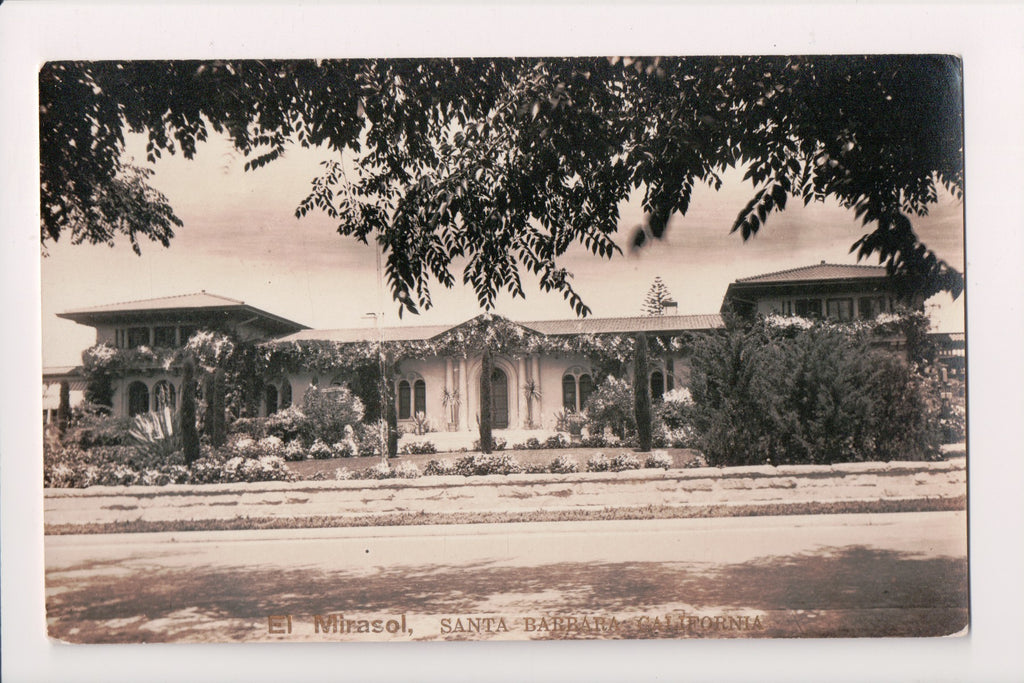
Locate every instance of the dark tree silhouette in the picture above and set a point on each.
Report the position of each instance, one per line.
(187, 412)
(503, 164)
(642, 394)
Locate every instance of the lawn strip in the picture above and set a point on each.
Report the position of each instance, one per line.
(584, 514)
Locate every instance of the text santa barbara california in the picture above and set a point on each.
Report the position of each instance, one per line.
(602, 624)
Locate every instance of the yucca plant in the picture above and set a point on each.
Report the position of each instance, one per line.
(531, 392)
(154, 434)
(451, 401)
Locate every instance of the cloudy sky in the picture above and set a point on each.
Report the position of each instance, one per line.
(240, 239)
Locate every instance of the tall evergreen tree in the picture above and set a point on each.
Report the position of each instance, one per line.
(657, 295)
(187, 411)
(642, 394)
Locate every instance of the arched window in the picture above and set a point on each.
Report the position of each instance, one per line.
(404, 400)
(577, 385)
(657, 385)
(163, 395)
(138, 398)
(270, 394)
(569, 392)
(286, 394)
(420, 396)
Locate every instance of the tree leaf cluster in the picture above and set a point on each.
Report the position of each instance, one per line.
(501, 166)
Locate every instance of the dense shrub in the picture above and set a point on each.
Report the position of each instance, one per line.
(440, 468)
(72, 467)
(293, 451)
(320, 451)
(531, 444)
(368, 438)
(611, 406)
(815, 395)
(675, 410)
(253, 427)
(92, 425)
(597, 440)
(558, 440)
(486, 463)
(622, 462)
(598, 462)
(327, 412)
(286, 424)
(563, 464)
(419, 448)
(658, 459)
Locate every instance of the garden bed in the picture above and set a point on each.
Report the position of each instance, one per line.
(309, 469)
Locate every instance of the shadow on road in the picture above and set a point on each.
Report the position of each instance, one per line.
(893, 593)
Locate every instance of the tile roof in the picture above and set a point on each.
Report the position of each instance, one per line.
(820, 271)
(358, 334)
(664, 323)
(196, 300)
(652, 323)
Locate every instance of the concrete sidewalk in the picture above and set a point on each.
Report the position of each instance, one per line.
(521, 493)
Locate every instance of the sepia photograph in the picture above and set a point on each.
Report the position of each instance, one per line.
(499, 343)
(503, 348)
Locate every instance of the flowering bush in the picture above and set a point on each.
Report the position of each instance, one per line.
(564, 464)
(698, 461)
(286, 424)
(327, 412)
(407, 470)
(243, 447)
(253, 427)
(480, 464)
(293, 451)
(91, 425)
(419, 448)
(597, 463)
(622, 462)
(558, 440)
(497, 444)
(531, 444)
(72, 467)
(379, 471)
(320, 451)
(440, 468)
(611, 405)
(658, 459)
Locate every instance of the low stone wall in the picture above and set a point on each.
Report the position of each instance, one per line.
(517, 493)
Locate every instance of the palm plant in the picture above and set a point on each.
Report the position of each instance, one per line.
(531, 392)
(451, 401)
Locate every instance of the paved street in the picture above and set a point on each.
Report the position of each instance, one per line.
(826, 575)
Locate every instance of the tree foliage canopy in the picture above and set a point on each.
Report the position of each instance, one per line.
(503, 164)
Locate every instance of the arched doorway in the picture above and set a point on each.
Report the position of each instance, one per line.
(270, 399)
(499, 399)
(138, 398)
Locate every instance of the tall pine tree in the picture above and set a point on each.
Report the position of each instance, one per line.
(656, 296)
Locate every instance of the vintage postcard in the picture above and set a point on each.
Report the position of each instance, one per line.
(503, 349)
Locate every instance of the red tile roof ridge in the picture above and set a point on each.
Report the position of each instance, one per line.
(201, 292)
(788, 271)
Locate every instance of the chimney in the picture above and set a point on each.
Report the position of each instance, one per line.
(667, 304)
